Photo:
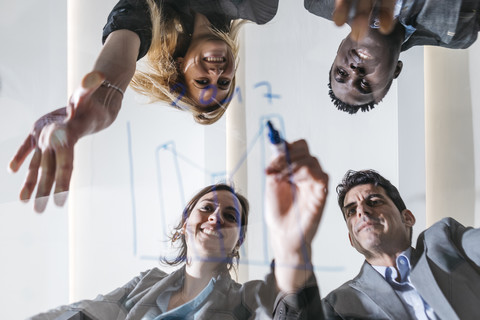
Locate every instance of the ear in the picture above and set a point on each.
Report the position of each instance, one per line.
(184, 227)
(398, 69)
(408, 218)
(341, 43)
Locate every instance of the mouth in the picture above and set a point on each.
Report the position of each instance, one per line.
(366, 225)
(211, 232)
(215, 59)
(362, 54)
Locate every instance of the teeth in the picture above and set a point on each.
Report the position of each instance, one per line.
(211, 232)
(363, 55)
(214, 59)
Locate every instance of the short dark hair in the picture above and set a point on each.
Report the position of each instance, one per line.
(354, 178)
(349, 108)
(176, 235)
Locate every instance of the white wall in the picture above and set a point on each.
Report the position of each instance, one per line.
(33, 64)
(126, 190)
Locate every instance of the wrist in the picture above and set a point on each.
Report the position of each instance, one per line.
(107, 84)
(290, 253)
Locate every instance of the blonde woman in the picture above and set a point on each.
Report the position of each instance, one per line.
(190, 49)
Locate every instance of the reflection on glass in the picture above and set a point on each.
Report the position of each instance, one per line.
(212, 229)
(191, 50)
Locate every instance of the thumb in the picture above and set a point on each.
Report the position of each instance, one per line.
(90, 82)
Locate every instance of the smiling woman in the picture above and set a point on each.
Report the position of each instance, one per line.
(213, 206)
(212, 229)
(191, 61)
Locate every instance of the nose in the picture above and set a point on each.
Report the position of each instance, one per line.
(357, 69)
(215, 70)
(362, 210)
(215, 217)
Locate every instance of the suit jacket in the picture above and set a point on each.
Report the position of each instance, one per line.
(445, 271)
(445, 23)
(254, 299)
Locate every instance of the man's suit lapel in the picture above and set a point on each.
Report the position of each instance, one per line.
(371, 283)
(426, 284)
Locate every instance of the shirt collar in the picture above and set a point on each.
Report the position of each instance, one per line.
(402, 263)
(375, 22)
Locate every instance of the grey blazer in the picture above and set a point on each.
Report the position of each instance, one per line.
(445, 271)
(229, 300)
(445, 23)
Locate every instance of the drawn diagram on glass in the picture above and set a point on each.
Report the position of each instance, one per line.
(174, 170)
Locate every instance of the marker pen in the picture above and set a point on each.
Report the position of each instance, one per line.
(277, 143)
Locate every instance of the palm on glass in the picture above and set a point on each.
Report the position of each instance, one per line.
(54, 136)
(358, 12)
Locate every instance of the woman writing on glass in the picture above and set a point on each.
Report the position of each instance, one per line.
(191, 54)
(212, 229)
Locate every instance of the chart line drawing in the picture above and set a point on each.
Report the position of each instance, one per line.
(169, 148)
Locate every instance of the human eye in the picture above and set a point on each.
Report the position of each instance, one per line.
(207, 207)
(202, 82)
(342, 73)
(350, 211)
(223, 82)
(365, 85)
(231, 217)
(373, 202)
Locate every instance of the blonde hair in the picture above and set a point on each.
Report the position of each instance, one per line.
(161, 79)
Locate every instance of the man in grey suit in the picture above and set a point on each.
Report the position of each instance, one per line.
(367, 60)
(438, 279)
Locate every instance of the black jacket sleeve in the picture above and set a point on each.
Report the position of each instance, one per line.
(132, 15)
(302, 305)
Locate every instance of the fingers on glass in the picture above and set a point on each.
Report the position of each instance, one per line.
(21, 154)
(45, 182)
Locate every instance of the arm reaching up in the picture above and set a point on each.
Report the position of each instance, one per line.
(296, 193)
(92, 107)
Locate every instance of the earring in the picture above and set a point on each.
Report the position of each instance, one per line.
(179, 27)
(235, 253)
(177, 235)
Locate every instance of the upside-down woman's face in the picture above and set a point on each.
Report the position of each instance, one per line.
(213, 228)
(208, 68)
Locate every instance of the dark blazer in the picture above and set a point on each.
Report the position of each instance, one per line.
(445, 271)
(445, 23)
(134, 15)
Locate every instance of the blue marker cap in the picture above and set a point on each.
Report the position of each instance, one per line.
(273, 134)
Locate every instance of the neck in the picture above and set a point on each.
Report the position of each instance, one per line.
(374, 37)
(384, 258)
(201, 26)
(197, 276)
(398, 35)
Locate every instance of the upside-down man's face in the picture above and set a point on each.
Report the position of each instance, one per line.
(363, 70)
